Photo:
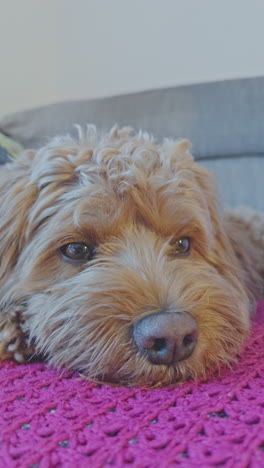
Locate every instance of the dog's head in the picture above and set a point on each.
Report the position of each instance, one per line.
(118, 250)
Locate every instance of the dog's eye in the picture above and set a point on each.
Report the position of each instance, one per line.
(76, 252)
(183, 246)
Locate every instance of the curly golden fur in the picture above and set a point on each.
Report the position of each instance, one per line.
(131, 199)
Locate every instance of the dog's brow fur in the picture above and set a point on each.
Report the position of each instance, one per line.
(131, 199)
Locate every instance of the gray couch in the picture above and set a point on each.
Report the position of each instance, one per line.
(224, 121)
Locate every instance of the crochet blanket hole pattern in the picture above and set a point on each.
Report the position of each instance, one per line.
(53, 419)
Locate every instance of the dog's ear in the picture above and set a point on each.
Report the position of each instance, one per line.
(29, 189)
(17, 195)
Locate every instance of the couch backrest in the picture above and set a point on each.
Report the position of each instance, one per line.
(224, 121)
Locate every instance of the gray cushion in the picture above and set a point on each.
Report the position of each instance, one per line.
(223, 120)
(240, 180)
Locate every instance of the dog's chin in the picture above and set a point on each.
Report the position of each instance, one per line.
(154, 376)
(160, 376)
(106, 354)
(157, 378)
(138, 372)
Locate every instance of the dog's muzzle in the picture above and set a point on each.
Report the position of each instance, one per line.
(166, 337)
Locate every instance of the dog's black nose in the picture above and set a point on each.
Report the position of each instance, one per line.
(166, 337)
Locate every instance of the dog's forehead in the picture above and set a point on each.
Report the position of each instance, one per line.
(122, 180)
(164, 206)
(118, 157)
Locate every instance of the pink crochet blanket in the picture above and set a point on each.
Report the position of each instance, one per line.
(48, 419)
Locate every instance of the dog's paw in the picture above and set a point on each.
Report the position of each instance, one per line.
(13, 344)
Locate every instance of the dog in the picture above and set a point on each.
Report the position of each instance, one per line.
(117, 262)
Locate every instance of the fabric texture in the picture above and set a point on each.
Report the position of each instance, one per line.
(223, 120)
(50, 419)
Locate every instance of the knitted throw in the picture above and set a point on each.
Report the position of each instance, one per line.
(49, 419)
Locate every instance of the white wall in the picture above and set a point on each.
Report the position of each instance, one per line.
(27, 54)
(124, 45)
(72, 49)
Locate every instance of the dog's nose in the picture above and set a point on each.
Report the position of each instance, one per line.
(166, 337)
